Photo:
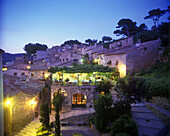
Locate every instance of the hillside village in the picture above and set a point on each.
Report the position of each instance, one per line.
(27, 80)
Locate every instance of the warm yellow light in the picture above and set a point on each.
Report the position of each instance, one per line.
(4, 69)
(8, 102)
(33, 102)
(46, 75)
(29, 62)
(95, 60)
(28, 67)
(122, 70)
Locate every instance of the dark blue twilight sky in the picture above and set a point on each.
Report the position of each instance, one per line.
(52, 22)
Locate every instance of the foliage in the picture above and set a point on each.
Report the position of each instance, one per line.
(145, 36)
(44, 113)
(127, 27)
(42, 132)
(57, 101)
(90, 41)
(156, 80)
(106, 39)
(121, 107)
(82, 68)
(131, 88)
(103, 115)
(155, 14)
(71, 42)
(104, 86)
(125, 125)
(32, 48)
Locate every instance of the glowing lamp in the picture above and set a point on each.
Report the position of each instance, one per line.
(4, 69)
(8, 102)
(95, 60)
(28, 67)
(46, 75)
(33, 102)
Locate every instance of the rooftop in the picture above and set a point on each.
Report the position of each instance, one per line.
(12, 86)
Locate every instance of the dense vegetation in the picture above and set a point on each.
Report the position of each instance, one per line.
(156, 80)
(83, 68)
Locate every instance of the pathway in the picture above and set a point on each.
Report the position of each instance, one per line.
(148, 123)
(31, 129)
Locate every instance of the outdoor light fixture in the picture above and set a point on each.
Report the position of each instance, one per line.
(8, 102)
(46, 75)
(33, 102)
(4, 69)
(28, 67)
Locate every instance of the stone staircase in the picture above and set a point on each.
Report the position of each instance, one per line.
(148, 123)
(31, 129)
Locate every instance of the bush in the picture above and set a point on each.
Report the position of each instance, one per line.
(156, 80)
(124, 125)
(44, 113)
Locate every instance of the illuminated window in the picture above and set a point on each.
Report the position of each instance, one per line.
(32, 74)
(79, 100)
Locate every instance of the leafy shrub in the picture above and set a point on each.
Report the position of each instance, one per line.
(121, 134)
(156, 80)
(124, 125)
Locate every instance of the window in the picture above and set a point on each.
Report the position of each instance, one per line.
(63, 59)
(117, 62)
(60, 60)
(32, 74)
(15, 74)
(75, 60)
(22, 74)
(126, 40)
(66, 59)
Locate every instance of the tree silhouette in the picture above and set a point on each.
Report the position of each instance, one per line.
(106, 39)
(127, 28)
(155, 14)
(32, 48)
(90, 41)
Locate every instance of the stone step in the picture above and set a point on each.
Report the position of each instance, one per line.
(138, 105)
(150, 123)
(147, 131)
(24, 134)
(141, 109)
(144, 115)
(28, 132)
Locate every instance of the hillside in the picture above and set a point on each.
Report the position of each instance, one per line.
(8, 57)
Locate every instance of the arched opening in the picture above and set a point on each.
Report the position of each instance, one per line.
(79, 100)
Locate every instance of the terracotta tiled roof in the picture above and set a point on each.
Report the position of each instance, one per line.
(13, 85)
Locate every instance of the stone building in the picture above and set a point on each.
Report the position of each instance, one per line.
(121, 43)
(134, 59)
(74, 96)
(20, 102)
(38, 71)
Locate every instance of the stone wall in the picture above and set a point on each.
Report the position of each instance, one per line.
(143, 57)
(18, 113)
(69, 91)
(38, 74)
(81, 118)
(19, 72)
(118, 61)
